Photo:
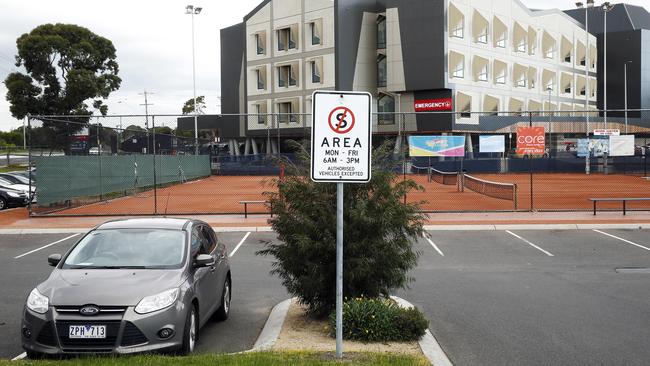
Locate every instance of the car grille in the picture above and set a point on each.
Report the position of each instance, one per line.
(132, 335)
(103, 310)
(112, 329)
(46, 336)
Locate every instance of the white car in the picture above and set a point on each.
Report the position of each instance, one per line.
(4, 182)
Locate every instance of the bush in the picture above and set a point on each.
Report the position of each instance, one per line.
(379, 320)
(378, 232)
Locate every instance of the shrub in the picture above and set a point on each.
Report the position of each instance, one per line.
(379, 228)
(379, 320)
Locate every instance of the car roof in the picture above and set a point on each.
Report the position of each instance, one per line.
(147, 223)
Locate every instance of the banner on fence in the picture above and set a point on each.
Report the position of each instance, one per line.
(530, 141)
(621, 145)
(607, 132)
(437, 145)
(491, 143)
(597, 146)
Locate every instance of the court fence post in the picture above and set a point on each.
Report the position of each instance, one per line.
(530, 157)
(155, 185)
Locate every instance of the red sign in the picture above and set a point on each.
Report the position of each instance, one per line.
(530, 141)
(341, 120)
(428, 105)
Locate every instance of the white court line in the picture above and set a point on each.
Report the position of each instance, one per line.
(240, 243)
(529, 243)
(45, 246)
(621, 239)
(20, 356)
(435, 246)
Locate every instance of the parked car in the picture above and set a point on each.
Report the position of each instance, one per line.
(6, 183)
(15, 178)
(12, 198)
(130, 286)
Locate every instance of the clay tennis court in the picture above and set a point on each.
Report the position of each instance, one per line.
(221, 194)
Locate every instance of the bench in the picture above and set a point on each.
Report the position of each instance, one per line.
(624, 200)
(246, 203)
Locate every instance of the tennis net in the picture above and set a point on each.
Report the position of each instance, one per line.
(505, 191)
(446, 178)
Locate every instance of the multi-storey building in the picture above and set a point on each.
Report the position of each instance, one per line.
(465, 56)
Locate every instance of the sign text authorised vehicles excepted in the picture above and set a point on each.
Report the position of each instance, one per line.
(341, 138)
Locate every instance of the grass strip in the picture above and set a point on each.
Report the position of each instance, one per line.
(241, 359)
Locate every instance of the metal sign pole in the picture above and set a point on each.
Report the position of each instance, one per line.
(339, 270)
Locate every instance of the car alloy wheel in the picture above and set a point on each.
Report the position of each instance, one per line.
(3, 203)
(192, 338)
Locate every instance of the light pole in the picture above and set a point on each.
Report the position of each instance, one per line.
(607, 7)
(550, 133)
(590, 3)
(625, 91)
(190, 9)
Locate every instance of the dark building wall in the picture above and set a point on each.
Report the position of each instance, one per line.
(227, 127)
(422, 31)
(233, 50)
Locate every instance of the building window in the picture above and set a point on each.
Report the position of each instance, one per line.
(261, 119)
(261, 79)
(483, 73)
(286, 76)
(386, 109)
(260, 43)
(314, 30)
(483, 36)
(315, 72)
(521, 81)
(381, 32)
(286, 40)
(458, 30)
(500, 71)
(521, 46)
(459, 70)
(285, 110)
(381, 70)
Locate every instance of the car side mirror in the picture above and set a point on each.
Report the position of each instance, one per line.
(54, 259)
(203, 260)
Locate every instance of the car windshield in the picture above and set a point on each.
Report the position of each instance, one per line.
(11, 178)
(128, 248)
(18, 178)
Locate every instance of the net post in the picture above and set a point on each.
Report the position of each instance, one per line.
(514, 195)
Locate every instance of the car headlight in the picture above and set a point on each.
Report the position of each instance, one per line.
(157, 302)
(13, 194)
(37, 302)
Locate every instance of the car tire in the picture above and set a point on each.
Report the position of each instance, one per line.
(3, 203)
(190, 332)
(224, 310)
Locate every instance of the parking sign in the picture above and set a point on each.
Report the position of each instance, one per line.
(341, 137)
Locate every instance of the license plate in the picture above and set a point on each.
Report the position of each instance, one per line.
(87, 331)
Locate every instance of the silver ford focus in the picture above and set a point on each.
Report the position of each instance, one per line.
(129, 286)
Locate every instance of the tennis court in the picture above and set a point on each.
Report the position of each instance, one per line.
(221, 194)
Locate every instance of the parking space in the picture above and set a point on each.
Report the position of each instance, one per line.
(23, 265)
(498, 297)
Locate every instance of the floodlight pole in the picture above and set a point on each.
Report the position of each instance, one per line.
(339, 270)
(625, 91)
(606, 8)
(191, 9)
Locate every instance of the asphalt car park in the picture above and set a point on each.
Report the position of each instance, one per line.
(24, 265)
(516, 297)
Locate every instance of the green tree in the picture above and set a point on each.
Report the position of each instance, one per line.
(188, 107)
(66, 66)
(379, 229)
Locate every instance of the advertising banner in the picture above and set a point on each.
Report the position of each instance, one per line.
(596, 146)
(437, 145)
(607, 131)
(621, 145)
(530, 141)
(430, 105)
(491, 143)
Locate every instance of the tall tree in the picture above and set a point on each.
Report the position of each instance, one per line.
(188, 107)
(67, 66)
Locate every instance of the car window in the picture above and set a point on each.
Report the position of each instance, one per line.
(195, 242)
(117, 248)
(211, 240)
(200, 244)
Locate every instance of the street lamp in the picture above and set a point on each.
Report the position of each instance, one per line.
(190, 9)
(607, 7)
(550, 125)
(625, 91)
(590, 3)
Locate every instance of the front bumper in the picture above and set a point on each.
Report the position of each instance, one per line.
(126, 331)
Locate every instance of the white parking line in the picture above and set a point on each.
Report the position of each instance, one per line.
(45, 246)
(529, 243)
(621, 239)
(435, 246)
(239, 245)
(20, 356)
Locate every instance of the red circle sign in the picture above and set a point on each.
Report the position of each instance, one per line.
(341, 120)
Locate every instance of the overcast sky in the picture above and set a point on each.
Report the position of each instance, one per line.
(153, 42)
